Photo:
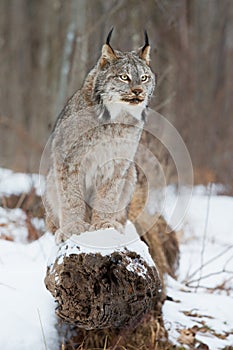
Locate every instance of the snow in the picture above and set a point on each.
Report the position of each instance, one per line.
(105, 242)
(39, 224)
(136, 267)
(12, 222)
(17, 183)
(205, 277)
(201, 296)
(207, 309)
(25, 303)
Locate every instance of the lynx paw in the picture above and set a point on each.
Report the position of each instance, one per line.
(62, 234)
(104, 225)
(59, 236)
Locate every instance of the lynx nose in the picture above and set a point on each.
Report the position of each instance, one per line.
(137, 90)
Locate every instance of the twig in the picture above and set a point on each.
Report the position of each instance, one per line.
(21, 199)
(42, 330)
(207, 276)
(205, 232)
(105, 343)
(117, 342)
(8, 286)
(228, 260)
(211, 289)
(207, 263)
(209, 190)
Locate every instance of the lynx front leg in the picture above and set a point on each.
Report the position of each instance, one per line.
(72, 211)
(106, 212)
(112, 200)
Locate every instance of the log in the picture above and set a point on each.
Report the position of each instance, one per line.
(100, 284)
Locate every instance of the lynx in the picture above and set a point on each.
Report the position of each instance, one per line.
(92, 175)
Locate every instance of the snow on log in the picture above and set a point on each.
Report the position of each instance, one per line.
(104, 279)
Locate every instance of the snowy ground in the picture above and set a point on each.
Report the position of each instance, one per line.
(202, 295)
(200, 302)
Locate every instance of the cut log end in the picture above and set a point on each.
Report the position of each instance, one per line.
(95, 291)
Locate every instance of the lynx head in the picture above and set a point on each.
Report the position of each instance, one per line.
(124, 80)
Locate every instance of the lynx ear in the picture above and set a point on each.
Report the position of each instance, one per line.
(108, 53)
(144, 52)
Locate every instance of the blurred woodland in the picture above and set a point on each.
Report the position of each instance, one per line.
(48, 46)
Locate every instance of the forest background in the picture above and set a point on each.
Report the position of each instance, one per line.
(47, 48)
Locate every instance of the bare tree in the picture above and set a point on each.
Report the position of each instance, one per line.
(47, 47)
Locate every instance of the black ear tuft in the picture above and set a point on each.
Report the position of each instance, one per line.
(146, 40)
(144, 52)
(109, 37)
(108, 54)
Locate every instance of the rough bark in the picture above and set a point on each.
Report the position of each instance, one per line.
(95, 291)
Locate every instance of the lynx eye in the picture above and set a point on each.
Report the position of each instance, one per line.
(124, 77)
(144, 78)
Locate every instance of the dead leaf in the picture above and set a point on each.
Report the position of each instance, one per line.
(6, 238)
(187, 336)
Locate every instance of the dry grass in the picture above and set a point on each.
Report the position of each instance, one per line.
(148, 335)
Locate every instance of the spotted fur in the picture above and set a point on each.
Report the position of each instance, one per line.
(94, 143)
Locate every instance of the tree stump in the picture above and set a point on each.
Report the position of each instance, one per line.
(104, 287)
